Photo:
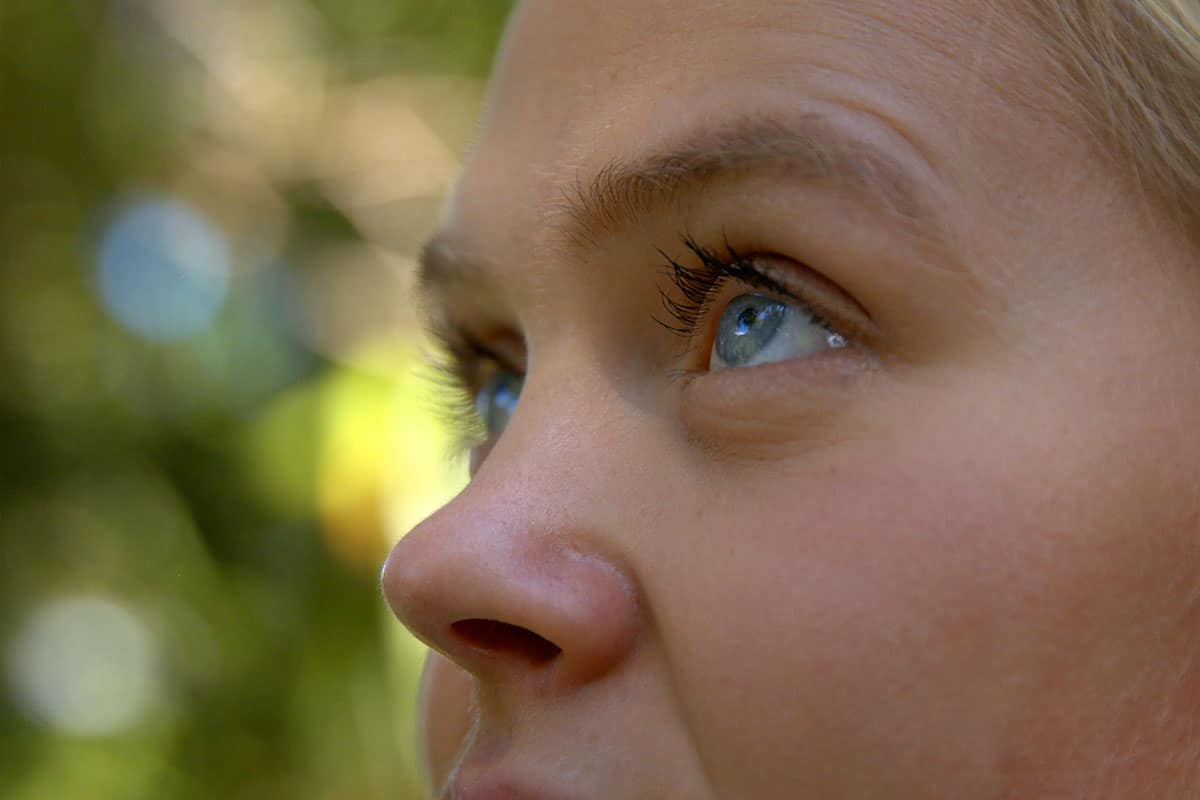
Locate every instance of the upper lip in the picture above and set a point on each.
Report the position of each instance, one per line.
(475, 781)
(490, 769)
(485, 788)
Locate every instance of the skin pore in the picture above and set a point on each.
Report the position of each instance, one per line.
(957, 555)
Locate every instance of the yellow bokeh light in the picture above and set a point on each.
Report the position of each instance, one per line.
(383, 462)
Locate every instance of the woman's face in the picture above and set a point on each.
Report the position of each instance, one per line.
(858, 446)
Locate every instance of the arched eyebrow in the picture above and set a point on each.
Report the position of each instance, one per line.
(624, 190)
(802, 147)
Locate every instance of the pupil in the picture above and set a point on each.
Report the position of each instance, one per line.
(749, 324)
(746, 320)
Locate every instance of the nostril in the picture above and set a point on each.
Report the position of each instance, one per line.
(502, 638)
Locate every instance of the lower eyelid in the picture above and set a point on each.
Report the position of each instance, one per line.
(831, 367)
(773, 410)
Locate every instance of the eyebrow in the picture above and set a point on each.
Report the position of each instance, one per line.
(805, 147)
(442, 262)
(623, 191)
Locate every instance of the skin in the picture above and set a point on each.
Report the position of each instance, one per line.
(959, 558)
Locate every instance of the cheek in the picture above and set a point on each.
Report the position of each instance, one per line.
(840, 638)
(915, 601)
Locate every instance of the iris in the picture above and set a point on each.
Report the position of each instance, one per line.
(497, 401)
(757, 329)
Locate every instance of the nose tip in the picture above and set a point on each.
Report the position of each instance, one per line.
(503, 604)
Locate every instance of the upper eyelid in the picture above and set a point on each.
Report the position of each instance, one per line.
(466, 354)
(762, 280)
(455, 352)
(746, 266)
(814, 309)
(827, 302)
(701, 285)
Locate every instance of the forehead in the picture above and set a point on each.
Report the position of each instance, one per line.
(582, 85)
(585, 48)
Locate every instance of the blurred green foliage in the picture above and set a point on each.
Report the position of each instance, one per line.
(191, 523)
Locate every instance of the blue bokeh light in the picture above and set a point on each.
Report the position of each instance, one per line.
(163, 269)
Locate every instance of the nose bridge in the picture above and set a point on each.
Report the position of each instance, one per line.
(518, 578)
(567, 449)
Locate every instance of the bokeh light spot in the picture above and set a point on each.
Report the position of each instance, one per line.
(163, 269)
(85, 666)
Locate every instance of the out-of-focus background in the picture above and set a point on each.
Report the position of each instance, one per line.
(212, 426)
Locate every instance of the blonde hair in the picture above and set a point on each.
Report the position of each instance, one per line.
(1135, 65)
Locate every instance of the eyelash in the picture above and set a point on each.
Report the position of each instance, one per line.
(699, 286)
(452, 386)
(458, 356)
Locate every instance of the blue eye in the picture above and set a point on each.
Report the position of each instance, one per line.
(756, 329)
(497, 401)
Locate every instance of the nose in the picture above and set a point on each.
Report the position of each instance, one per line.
(508, 597)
